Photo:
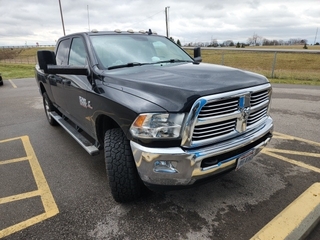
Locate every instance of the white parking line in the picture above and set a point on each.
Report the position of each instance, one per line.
(12, 83)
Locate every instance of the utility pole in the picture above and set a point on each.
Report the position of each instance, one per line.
(64, 32)
(167, 19)
(315, 38)
(88, 17)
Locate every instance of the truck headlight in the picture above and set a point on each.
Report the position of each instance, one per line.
(157, 125)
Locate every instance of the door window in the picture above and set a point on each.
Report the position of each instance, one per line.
(62, 52)
(78, 54)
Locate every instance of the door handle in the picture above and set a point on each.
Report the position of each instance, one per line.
(66, 82)
(55, 79)
(58, 80)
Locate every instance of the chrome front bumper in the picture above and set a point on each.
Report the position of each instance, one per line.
(176, 166)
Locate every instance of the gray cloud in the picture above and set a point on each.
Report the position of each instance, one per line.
(202, 20)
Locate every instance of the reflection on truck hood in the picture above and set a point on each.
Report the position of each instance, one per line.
(172, 86)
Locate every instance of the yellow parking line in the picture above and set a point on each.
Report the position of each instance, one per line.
(13, 85)
(10, 139)
(300, 164)
(43, 191)
(297, 220)
(19, 197)
(22, 225)
(302, 215)
(14, 160)
(43, 187)
(309, 154)
(288, 137)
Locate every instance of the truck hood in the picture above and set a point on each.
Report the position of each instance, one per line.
(176, 86)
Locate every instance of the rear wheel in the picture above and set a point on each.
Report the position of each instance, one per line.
(48, 107)
(123, 176)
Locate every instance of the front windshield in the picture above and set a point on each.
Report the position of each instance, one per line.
(116, 50)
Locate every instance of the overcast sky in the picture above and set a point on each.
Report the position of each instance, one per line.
(29, 21)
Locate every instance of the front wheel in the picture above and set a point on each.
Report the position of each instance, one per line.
(48, 107)
(123, 176)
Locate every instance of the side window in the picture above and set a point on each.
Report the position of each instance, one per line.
(78, 54)
(62, 52)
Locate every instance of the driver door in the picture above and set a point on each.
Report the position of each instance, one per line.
(77, 86)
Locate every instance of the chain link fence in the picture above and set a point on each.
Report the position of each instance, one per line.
(277, 64)
(21, 54)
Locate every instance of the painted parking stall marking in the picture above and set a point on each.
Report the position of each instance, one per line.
(277, 153)
(12, 83)
(42, 191)
(294, 221)
(298, 219)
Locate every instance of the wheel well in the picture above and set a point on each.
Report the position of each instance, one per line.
(103, 123)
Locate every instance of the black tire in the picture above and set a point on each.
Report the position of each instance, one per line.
(48, 107)
(124, 180)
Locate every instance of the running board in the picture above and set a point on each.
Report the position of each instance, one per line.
(85, 143)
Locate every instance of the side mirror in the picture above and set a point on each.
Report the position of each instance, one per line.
(46, 57)
(47, 62)
(67, 69)
(197, 54)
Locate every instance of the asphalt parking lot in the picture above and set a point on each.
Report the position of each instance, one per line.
(50, 188)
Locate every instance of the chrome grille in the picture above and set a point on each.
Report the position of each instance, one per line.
(257, 100)
(257, 116)
(259, 97)
(222, 116)
(213, 130)
(219, 108)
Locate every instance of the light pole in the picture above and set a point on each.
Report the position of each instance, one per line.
(88, 17)
(64, 32)
(167, 19)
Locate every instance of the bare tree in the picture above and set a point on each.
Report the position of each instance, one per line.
(228, 43)
(255, 40)
(214, 43)
(297, 41)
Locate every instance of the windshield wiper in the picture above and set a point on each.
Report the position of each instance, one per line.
(131, 64)
(172, 61)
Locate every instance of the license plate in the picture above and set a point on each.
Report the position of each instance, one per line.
(247, 157)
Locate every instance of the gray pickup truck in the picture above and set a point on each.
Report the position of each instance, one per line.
(163, 119)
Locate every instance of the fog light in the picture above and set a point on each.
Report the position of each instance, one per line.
(165, 167)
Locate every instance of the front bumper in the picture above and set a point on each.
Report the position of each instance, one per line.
(186, 165)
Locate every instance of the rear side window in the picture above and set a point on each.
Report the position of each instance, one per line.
(62, 52)
(78, 54)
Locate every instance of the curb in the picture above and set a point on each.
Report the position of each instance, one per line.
(297, 220)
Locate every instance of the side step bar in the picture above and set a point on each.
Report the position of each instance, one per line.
(85, 143)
